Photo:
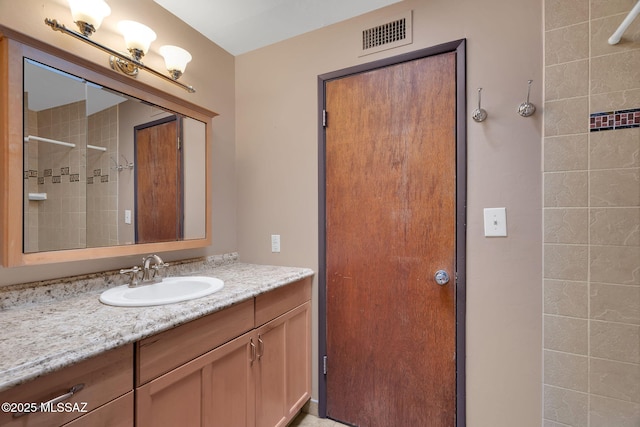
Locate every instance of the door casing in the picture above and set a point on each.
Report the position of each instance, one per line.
(459, 47)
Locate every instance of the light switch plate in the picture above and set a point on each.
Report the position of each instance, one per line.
(127, 216)
(495, 222)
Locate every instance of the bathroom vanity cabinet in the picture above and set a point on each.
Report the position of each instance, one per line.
(245, 365)
(261, 378)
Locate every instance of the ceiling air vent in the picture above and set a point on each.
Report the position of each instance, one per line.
(393, 33)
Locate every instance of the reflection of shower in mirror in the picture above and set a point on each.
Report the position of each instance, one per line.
(79, 137)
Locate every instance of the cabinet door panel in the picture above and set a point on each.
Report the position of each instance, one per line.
(283, 380)
(175, 399)
(298, 358)
(216, 389)
(232, 397)
(270, 378)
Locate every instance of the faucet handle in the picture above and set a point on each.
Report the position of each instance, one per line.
(134, 279)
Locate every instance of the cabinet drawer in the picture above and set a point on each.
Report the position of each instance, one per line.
(167, 350)
(272, 304)
(118, 413)
(105, 377)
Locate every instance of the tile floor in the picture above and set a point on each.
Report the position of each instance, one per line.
(307, 420)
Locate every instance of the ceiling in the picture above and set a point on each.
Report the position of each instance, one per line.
(240, 26)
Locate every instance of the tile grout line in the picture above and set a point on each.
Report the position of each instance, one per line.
(589, 227)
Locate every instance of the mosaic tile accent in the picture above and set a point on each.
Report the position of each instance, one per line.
(611, 120)
(26, 174)
(33, 174)
(74, 177)
(55, 179)
(41, 180)
(48, 172)
(97, 172)
(104, 178)
(89, 180)
(64, 171)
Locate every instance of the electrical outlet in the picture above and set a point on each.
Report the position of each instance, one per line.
(275, 243)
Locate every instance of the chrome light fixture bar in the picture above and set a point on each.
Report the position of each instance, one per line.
(120, 61)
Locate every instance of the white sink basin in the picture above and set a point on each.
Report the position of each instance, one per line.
(170, 290)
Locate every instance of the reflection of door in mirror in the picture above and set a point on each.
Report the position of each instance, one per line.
(158, 188)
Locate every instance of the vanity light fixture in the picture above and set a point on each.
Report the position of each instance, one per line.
(88, 15)
(176, 60)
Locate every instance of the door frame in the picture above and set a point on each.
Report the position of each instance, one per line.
(459, 48)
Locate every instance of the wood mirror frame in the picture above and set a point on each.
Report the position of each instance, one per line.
(14, 47)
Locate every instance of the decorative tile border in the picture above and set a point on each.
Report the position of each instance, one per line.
(611, 120)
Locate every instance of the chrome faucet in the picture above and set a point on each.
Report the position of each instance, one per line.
(149, 272)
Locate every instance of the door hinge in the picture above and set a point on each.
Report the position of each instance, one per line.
(324, 365)
(179, 144)
(324, 118)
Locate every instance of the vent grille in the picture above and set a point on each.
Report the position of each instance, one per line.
(390, 32)
(393, 32)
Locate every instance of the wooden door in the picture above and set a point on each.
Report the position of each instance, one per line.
(158, 163)
(390, 225)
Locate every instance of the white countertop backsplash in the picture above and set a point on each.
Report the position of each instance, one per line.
(49, 325)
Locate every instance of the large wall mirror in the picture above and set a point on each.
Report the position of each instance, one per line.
(107, 168)
(104, 169)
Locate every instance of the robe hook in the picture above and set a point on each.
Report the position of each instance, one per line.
(527, 109)
(479, 114)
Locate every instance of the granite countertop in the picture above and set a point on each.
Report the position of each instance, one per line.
(46, 334)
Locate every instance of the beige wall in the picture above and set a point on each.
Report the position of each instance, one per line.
(591, 218)
(276, 112)
(212, 74)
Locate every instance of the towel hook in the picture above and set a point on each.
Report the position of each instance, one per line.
(479, 114)
(527, 109)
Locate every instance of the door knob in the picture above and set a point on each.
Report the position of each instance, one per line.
(442, 277)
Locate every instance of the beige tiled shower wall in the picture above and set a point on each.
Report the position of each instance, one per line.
(61, 218)
(102, 188)
(591, 218)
